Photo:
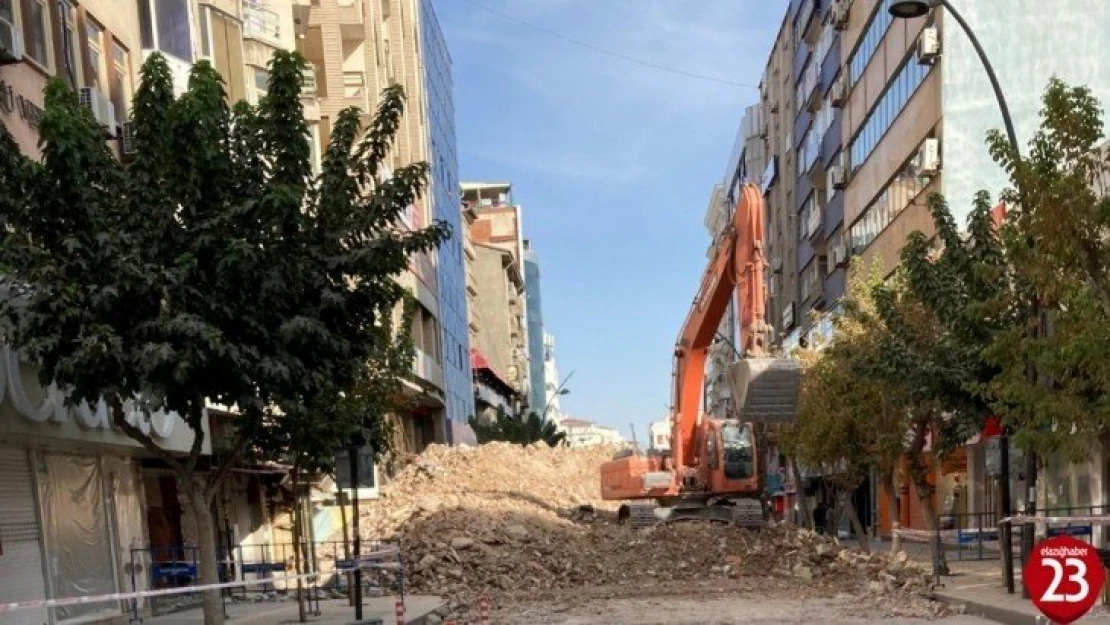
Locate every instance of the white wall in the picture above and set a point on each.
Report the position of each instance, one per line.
(1027, 41)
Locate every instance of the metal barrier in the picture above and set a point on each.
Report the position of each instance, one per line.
(179, 567)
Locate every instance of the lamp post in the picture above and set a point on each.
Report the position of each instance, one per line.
(909, 9)
(558, 392)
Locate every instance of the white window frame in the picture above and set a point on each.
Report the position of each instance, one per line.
(194, 40)
(51, 62)
(91, 24)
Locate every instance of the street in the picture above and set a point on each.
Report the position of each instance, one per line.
(844, 610)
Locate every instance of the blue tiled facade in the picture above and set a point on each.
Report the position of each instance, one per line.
(446, 206)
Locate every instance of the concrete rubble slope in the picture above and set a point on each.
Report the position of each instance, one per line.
(526, 524)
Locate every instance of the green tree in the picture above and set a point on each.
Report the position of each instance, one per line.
(519, 429)
(1054, 236)
(848, 424)
(213, 267)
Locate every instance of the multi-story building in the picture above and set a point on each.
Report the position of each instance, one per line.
(534, 307)
(355, 50)
(80, 503)
(450, 261)
(504, 319)
(584, 433)
(864, 115)
(551, 378)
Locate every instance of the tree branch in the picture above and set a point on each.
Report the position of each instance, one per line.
(119, 418)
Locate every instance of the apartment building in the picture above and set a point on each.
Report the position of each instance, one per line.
(537, 374)
(551, 377)
(496, 231)
(864, 115)
(82, 505)
(355, 49)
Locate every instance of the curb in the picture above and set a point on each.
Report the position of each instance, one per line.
(992, 612)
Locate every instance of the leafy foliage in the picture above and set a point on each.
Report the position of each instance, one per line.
(848, 423)
(213, 266)
(1055, 238)
(955, 315)
(519, 429)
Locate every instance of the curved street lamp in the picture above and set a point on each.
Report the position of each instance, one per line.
(909, 9)
(558, 392)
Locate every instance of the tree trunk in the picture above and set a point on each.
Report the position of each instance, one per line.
(857, 527)
(895, 513)
(919, 473)
(297, 531)
(800, 493)
(200, 506)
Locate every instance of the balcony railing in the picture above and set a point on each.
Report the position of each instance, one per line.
(260, 22)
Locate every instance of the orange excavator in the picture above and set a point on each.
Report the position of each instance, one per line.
(713, 470)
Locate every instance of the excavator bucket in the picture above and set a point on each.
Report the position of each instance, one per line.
(766, 389)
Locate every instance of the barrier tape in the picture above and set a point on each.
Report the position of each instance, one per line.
(399, 612)
(124, 596)
(1021, 519)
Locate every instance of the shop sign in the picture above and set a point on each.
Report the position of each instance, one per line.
(12, 102)
(52, 407)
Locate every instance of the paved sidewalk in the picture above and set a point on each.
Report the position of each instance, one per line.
(979, 585)
(332, 612)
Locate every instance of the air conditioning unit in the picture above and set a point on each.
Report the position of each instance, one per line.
(11, 43)
(840, 13)
(837, 177)
(127, 140)
(840, 252)
(928, 158)
(102, 108)
(838, 95)
(928, 45)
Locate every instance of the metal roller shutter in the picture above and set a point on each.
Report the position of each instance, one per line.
(21, 561)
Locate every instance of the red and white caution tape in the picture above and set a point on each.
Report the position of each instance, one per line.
(483, 610)
(399, 612)
(364, 561)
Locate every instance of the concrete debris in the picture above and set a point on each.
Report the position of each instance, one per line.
(513, 522)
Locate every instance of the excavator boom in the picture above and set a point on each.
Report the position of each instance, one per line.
(713, 471)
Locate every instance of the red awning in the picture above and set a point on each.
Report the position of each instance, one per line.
(479, 362)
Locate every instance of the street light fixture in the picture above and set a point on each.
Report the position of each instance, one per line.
(909, 9)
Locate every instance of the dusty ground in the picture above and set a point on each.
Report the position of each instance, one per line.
(735, 610)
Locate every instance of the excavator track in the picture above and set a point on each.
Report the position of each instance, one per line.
(746, 513)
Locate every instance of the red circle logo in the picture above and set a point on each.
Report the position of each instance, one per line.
(1064, 578)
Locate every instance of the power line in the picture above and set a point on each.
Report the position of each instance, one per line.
(611, 53)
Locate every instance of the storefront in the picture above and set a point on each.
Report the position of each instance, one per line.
(71, 498)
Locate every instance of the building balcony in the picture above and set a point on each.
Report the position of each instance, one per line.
(179, 70)
(261, 23)
(427, 369)
(342, 12)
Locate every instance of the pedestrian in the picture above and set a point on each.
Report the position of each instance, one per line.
(819, 514)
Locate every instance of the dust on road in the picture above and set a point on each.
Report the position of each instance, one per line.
(749, 610)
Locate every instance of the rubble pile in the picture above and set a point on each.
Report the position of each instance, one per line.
(515, 522)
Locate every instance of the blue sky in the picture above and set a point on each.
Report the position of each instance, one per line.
(613, 164)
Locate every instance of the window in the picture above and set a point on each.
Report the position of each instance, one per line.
(886, 110)
(94, 38)
(6, 12)
(36, 32)
(69, 40)
(261, 83)
(870, 40)
(900, 193)
(120, 78)
(739, 459)
(164, 26)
